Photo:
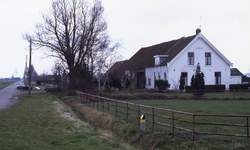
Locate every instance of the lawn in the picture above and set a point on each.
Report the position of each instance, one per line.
(41, 121)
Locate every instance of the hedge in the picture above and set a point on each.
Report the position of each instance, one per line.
(209, 88)
(239, 86)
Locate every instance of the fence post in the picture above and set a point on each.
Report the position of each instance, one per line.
(247, 131)
(108, 105)
(233, 94)
(90, 101)
(127, 112)
(116, 108)
(102, 104)
(138, 115)
(97, 103)
(153, 119)
(81, 98)
(173, 122)
(193, 127)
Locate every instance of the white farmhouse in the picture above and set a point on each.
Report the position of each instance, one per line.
(170, 60)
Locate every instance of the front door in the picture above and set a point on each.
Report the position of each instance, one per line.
(140, 80)
(184, 77)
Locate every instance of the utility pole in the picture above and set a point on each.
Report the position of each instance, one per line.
(30, 40)
(25, 72)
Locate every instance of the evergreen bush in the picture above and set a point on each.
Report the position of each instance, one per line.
(197, 82)
(162, 84)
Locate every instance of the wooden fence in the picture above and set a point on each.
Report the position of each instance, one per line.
(166, 120)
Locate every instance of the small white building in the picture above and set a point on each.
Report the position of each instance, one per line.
(170, 60)
(236, 76)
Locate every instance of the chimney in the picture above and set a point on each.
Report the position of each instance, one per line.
(198, 30)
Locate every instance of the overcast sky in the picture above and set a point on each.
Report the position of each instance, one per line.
(135, 24)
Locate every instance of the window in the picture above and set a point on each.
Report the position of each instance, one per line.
(217, 78)
(159, 76)
(208, 58)
(165, 76)
(190, 58)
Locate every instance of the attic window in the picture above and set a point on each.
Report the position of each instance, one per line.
(159, 59)
(208, 58)
(190, 58)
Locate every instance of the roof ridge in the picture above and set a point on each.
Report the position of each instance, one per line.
(173, 46)
(160, 43)
(181, 39)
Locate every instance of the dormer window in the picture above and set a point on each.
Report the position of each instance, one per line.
(159, 59)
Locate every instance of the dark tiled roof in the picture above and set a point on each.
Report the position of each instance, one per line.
(145, 56)
(177, 48)
(115, 66)
(235, 72)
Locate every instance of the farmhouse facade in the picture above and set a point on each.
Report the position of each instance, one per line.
(170, 60)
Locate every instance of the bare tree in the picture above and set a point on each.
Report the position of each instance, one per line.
(74, 31)
(103, 61)
(57, 71)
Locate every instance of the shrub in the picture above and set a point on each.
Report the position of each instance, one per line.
(162, 84)
(107, 88)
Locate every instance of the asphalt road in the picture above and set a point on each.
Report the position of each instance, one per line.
(9, 96)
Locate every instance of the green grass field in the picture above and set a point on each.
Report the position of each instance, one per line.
(43, 122)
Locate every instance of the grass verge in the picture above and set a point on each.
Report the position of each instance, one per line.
(4, 84)
(41, 121)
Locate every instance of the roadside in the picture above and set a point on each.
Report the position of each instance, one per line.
(9, 96)
(42, 121)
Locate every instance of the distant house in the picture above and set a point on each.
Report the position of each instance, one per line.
(115, 66)
(113, 71)
(170, 60)
(245, 79)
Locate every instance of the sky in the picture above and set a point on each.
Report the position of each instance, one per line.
(134, 24)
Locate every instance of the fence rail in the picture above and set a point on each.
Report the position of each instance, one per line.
(183, 121)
